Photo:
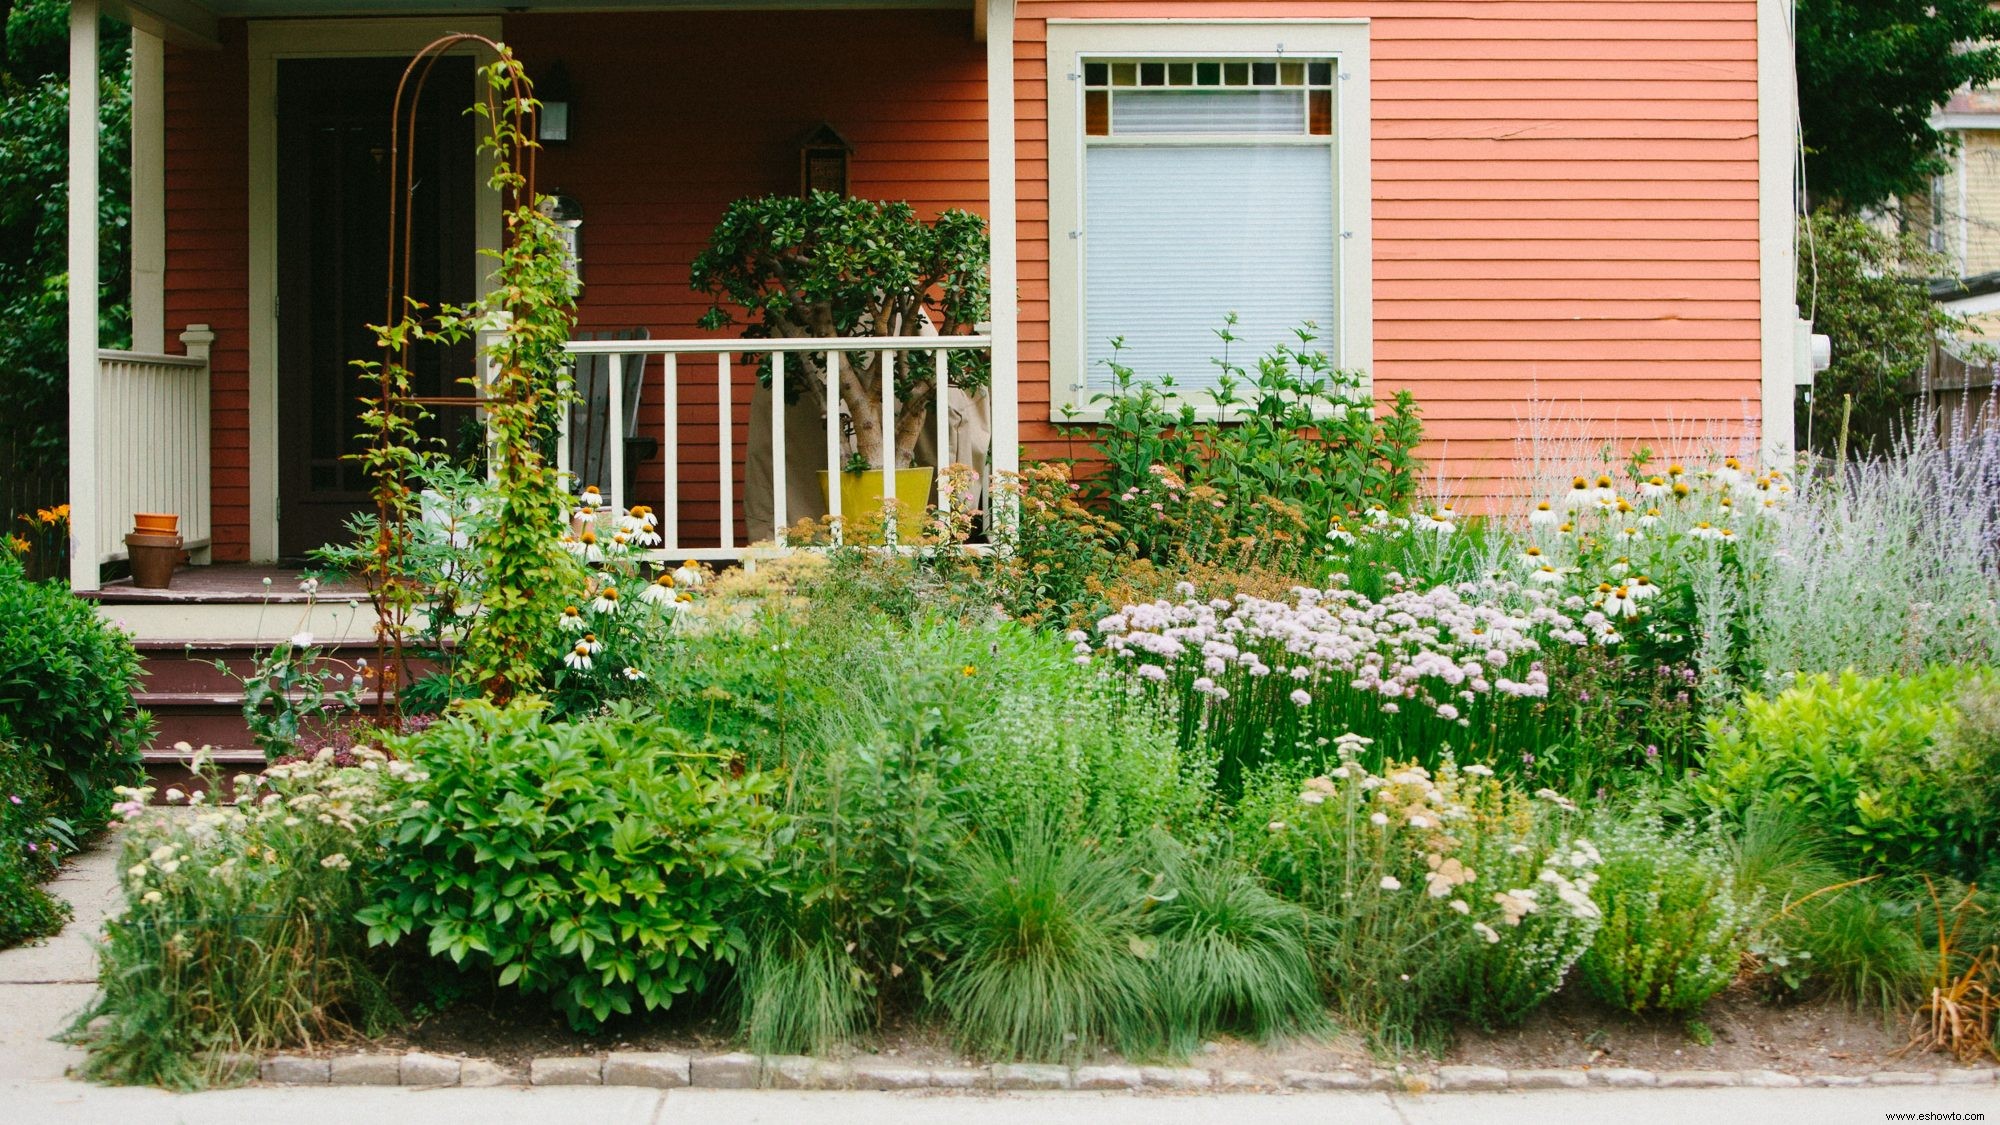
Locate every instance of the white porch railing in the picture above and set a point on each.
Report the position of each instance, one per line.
(152, 444)
(935, 350)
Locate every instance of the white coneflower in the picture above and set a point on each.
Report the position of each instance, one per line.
(1654, 488)
(1378, 515)
(688, 573)
(1580, 493)
(1604, 489)
(1731, 472)
(1339, 533)
(633, 674)
(1681, 491)
(591, 644)
(587, 548)
(607, 601)
(1651, 517)
(1546, 575)
(1439, 523)
(644, 535)
(1620, 566)
(659, 591)
(1542, 516)
(1706, 530)
(621, 544)
(1641, 588)
(1566, 528)
(1630, 535)
(591, 500)
(572, 619)
(579, 657)
(1533, 557)
(1620, 603)
(1726, 535)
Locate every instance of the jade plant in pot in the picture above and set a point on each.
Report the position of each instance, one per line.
(826, 265)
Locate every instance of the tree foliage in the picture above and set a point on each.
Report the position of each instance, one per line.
(1862, 290)
(828, 265)
(1871, 72)
(34, 155)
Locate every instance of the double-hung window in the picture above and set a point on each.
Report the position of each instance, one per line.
(1198, 172)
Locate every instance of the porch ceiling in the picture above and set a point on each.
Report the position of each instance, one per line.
(194, 21)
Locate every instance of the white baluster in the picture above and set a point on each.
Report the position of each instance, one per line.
(943, 423)
(888, 446)
(614, 437)
(778, 513)
(833, 466)
(725, 456)
(670, 453)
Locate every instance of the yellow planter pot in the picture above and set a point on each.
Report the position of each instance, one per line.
(861, 495)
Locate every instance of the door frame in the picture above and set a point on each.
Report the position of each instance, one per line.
(270, 41)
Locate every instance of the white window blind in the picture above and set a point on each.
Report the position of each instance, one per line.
(1177, 236)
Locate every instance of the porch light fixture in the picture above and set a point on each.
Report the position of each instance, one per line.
(552, 123)
(823, 160)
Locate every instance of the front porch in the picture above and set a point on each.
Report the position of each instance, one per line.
(663, 137)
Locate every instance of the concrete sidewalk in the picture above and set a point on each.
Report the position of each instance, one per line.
(42, 987)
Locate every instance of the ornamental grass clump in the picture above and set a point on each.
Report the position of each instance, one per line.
(1435, 895)
(1675, 929)
(1045, 948)
(1228, 956)
(237, 933)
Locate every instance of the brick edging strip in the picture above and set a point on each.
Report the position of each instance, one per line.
(741, 1071)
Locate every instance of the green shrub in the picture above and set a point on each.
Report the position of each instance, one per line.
(66, 680)
(1437, 896)
(1045, 948)
(237, 932)
(1229, 956)
(32, 843)
(602, 863)
(1674, 929)
(1879, 762)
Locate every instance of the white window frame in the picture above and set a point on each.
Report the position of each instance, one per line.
(1070, 42)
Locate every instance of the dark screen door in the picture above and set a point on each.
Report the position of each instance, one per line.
(334, 179)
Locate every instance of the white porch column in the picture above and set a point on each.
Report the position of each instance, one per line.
(149, 193)
(1777, 229)
(86, 521)
(1005, 269)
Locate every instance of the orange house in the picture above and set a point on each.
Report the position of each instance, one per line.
(1509, 207)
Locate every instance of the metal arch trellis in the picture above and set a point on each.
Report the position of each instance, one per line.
(395, 408)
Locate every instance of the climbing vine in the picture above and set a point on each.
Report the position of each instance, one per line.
(519, 327)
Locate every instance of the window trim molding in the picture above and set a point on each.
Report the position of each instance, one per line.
(1345, 40)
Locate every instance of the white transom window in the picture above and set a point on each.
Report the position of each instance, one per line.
(1190, 186)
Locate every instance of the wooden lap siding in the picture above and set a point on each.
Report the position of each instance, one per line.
(208, 257)
(1565, 209)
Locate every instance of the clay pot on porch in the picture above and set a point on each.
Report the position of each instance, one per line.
(155, 523)
(154, 558)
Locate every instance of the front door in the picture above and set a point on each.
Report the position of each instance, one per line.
(334, 179)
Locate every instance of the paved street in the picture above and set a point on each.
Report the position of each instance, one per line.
(41, 986)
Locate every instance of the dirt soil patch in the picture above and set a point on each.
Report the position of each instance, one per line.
(1741, 1032)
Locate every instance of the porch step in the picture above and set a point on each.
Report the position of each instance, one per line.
(195, 703)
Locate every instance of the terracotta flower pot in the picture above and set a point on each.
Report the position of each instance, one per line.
(154, 558)
(155, 523)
